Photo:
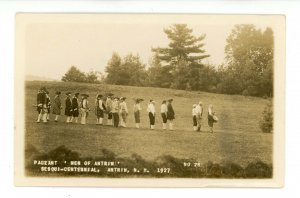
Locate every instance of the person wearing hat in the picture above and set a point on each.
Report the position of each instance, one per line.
(194, 114)
(211, 117)
(170, 114)
(68, 107)
(41, 102)
(108, 105)
(75, 108)
(84, 108)
(99, 110)
(163, 112)
(137, 112)
(151, 113)
(48, 107)
(123, 111)
(199, 110)
(56, 110)
(115, 111)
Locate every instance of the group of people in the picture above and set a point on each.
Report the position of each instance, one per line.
(115, 108)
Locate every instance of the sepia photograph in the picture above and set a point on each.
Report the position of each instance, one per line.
(152, 100)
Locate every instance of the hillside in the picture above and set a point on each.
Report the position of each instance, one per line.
(237, 138)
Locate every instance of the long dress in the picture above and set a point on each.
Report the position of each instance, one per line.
(57, 105)
(68, 108)
(170, 112)
(75, 107)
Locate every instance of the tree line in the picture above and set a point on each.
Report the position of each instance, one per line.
(247, 68)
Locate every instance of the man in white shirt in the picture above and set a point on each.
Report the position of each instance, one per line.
(199, 110)
(151, 113)
(84, 107)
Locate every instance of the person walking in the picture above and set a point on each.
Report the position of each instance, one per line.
(163, 113)
(199, 110)
(56, 110)
(137, 112)
(108, 105)
(99, 110)
(41, 101)
(48, 106)
(211, 118)
(75, 108)
(68, 107)
(194, 114)
(123, 111)
(170, 114)
(115, 111)
(151, 113)
(84, 108)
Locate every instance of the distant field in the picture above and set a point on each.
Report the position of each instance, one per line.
(237, 138)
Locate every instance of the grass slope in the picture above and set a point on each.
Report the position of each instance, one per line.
(237, 138)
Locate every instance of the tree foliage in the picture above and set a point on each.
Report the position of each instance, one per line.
(183, 54)
(75, 75)
(127, 71)
(249, 56)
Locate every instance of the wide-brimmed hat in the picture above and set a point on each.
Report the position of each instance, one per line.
(58, 93)
(76, 94)
(109, 94)
(170, 100)
(43, 89)
(123, 98)
(85, 95)
(99, 96)
(68, 93)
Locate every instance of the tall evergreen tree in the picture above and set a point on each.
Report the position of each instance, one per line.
(183, 52)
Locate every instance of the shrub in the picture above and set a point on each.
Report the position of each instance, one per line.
(266, 122)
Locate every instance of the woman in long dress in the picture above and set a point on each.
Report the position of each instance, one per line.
(163, 113)
(137, 111)
(210, 117)
(68, 107)
(75, 108)
(170, 114)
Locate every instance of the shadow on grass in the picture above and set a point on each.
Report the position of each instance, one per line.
(163, 166)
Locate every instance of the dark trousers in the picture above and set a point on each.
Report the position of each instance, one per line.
(152, 118)
(164, 117)
(116, 119)
(109, 115)
(194, 120)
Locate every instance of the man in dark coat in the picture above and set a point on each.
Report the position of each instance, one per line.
(41, 102)
(75, 108)
(170, 113)
(68, 107)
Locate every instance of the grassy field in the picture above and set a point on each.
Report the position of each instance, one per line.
(237, 139)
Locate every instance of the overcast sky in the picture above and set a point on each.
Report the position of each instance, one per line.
(52, 47)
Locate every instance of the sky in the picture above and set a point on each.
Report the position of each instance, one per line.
(53, 46)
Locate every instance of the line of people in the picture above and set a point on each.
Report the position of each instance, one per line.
(116, 110)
